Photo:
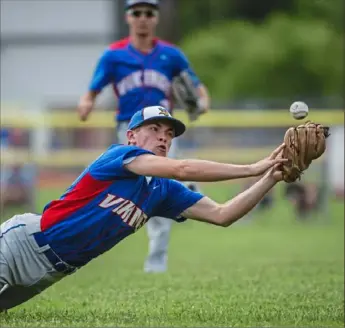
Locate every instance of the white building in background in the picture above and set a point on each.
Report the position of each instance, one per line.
(49, 48)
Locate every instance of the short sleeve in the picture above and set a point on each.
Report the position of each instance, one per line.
(110, 165)
(101, 76)
(183, 64)
(178, 199)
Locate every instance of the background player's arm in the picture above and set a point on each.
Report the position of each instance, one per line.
(183, 65)
(86, 104)
(209, 211)
(100, 79)
(199, 170)
(204, 101)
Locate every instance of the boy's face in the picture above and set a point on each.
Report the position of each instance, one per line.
(155, 136)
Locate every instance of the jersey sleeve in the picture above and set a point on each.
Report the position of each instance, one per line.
(182, 64)
(110, 165)
(101, 76)
(178, 199)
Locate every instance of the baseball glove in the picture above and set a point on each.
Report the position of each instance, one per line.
(186, 95)
(304, 144)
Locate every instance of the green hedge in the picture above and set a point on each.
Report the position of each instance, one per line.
(285, 56)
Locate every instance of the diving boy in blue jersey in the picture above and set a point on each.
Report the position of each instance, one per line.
(115, 196)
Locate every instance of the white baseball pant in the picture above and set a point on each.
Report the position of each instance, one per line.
(25, 269)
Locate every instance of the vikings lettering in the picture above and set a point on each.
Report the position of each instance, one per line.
(126, 210)
(147, 78)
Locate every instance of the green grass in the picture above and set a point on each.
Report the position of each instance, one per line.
(271, 271)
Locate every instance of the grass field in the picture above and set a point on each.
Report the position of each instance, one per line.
(271, 271)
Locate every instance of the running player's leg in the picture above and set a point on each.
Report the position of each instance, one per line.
(158, 231)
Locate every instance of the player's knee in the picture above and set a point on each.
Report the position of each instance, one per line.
(162, 233)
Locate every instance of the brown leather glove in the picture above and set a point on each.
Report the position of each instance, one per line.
(304, 144)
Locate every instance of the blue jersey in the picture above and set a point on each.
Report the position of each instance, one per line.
(107, 203)
(140, 79)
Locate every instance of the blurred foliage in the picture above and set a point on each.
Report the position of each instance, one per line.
(193, 14)
(285, 56)
(329, 11)
(265, 49)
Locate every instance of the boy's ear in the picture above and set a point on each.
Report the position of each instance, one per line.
(130, 136)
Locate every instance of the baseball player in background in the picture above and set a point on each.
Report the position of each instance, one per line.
(116, 195)
(141, 69)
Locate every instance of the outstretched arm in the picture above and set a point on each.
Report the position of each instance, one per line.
(200, 170)
(209, 211)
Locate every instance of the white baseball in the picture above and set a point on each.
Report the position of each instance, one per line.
(299, 110)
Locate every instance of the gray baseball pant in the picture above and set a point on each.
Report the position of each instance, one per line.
(158, 228)
(25, 271)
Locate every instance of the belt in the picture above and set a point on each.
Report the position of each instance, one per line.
(58, 264)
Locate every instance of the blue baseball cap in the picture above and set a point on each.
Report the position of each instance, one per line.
(131, 3)
(156, 113)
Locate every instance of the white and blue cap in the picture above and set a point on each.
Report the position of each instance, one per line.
(153, 114)
(131, 3)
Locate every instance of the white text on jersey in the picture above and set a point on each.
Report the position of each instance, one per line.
(147, 78)
(126, 210)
